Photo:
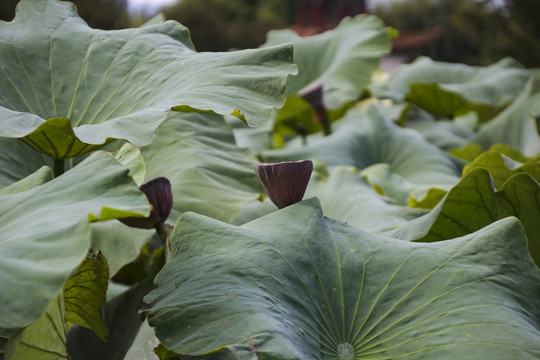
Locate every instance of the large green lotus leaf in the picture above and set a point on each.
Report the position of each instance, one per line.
(46, 232)
(296, 285)
(516, 125)
(445, 134)
(501, 167)
(79, 303)
(68, 89)
(130, 156)
(255, 139)
(41, 176)
(119, 243)
(123, 319)
(454, 89)
(475, 203)
(347, 196)
(18, 161)
(342, 60)
(45, 339)
(209, 174)
(368, 139)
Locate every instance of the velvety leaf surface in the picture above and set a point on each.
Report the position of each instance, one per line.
(45, 339)
(366, 140)
(46, 232)
(342, 60)
(123, 319)
(67, 89)
(41, 176)
(475, 203)
(446, 134)
(18, 160)
(347, 196)
(296, 285)
(516, 125)
(209, 174)
(119, 243)
(129, 156)
(501, 167)
(84, 294)
(454, 89)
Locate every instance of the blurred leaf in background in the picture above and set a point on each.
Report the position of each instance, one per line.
(100, 14)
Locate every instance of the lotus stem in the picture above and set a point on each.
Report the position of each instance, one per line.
(59, 167)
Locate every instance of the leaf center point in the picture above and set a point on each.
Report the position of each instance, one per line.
(345, 351)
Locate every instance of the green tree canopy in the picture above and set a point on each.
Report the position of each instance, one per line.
(219, 25)
(476, 32)
(99, 14)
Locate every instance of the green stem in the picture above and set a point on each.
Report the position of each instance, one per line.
(164, 231)
(59, 167)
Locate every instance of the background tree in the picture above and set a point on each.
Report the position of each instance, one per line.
(101, 14)
(219, 25)
(477, 32)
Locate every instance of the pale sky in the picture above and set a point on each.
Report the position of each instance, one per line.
(147, 6)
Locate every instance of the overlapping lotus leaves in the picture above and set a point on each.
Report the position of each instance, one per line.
(121, 315)
(18, 161)
(516, 125)
(130, 156)
(455, 89)
(46, 232)
(209, 174)
(67, 89)
(347, 196)
(475, 203)
(467, 152)
(296, 285)
(41, 176)
(446, 134)
(44, 339)
(78, 303)
(368, 140)
(342, 60)
(501, 167)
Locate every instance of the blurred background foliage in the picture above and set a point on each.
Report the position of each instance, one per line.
(100, 14)
(220, 25)
(474, 32)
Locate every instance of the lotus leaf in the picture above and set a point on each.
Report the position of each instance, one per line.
(68, 89)
(455, 89)
(46, 232)
(297, 285)
(474, 203)
(342, 60)
(209, 174)
(365, 139)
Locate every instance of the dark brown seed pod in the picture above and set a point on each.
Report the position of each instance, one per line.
(159, 194)
(285, 182)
